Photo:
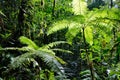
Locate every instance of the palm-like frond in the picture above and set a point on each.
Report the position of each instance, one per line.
(29, 42)
(53, 44)
(49, 59)
(1, 13)
(79, 7)
(15, 48)
(71, 33)
(62, 50)
(85, 75)
(58, 26)
(70, 23)
(46, 54)
(88, 21)
(74, 25)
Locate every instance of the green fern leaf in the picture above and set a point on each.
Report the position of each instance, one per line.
(89, 35)
(51, 60)
(79, 7)
(46, 50)
(53, 44)
(29, 42)
(15, 48)
(1, 13)
(62, 50)
(60, 60)
(58, 26)
(70, 22)
(71, 33)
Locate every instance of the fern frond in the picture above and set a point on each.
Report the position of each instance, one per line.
(60, 60)
(103, 13)
(71, 33)
(85, 75)
(1, 13)
(70, 22)
(62, 50)
(47, 50)
(15, 48)
(53, 44)
(21, 61)
(79, 7)
(51, 60)
(74, 25)
(29, 42)
(58, 26)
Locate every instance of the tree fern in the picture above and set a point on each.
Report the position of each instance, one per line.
(45, 53)
(76, 22)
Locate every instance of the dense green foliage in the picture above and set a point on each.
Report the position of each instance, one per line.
(59, 40)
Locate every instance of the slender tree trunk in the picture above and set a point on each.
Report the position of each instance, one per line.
(53, 9)
(21, 18)
(111, 3)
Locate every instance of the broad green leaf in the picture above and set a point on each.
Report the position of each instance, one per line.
(89, 35)
(91, 56)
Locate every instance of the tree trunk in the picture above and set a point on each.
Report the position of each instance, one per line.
(53, 9)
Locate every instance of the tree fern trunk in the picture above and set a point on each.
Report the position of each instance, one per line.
(21, 18)
(53, 9)
(111, 3)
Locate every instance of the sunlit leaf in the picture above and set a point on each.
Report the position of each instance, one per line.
(71, 33)
(29, 42)
(89, 35)
(79, 7)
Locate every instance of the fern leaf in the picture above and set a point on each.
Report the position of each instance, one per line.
(29, 42)
(15, 48)
(60, 60)
(70, 22)
(89, 35)
(1, 13)
(46, 50)
(48, 58)
(53, 44)
(71, 33)
(62, 50)
(85, 75)
(58, 26)
(79, 7)
(50, 61)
